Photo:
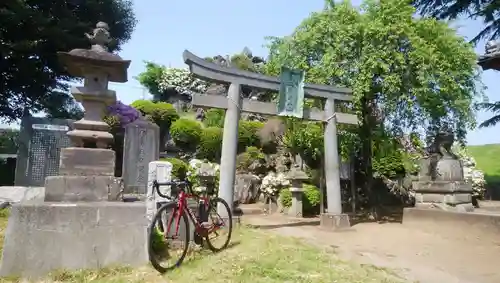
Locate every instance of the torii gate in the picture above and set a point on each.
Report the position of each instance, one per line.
(234, 104)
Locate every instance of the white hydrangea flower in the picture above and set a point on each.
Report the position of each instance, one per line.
(182, 80)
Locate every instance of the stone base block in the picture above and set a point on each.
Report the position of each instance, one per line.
(451, 199)
(444, 187)
(82, 188)
(43, 237)
(462, 207)
(15, 194)
(334, 221)
(87, 162)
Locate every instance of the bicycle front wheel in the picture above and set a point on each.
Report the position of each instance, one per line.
(220, 222)
(168, 239)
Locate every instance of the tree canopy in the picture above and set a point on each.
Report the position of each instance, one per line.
(488, 11)
(31, 34)
(411, 72)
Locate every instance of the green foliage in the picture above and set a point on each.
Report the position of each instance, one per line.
(310, 201)
(210, 144)
(161, 113)
(487, 11)
(179, 167)
(214, 118)
(246, 159)
(305, 139)
(285, 197)
(415, 70)
(248, 134)
(151, 77)
(9, 141)
(159, 244)
(33, 78)
(186, 133)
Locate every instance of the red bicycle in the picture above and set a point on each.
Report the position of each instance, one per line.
(167, 248)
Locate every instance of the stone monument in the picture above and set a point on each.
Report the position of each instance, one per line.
(441, 182)
(80, 228)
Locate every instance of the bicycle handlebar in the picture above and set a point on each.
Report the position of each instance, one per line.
(172, 184)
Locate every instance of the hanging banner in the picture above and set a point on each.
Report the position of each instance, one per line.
(291, 95)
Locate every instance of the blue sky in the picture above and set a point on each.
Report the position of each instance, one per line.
(209, 28)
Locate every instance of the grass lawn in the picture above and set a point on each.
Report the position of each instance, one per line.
(255, 256)
(488, 160)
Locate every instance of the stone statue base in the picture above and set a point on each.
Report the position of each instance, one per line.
(86, 174)
(443, 195)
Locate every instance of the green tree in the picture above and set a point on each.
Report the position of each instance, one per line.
(488, 11)
(32, 32)
(493, 107)
(407, 73)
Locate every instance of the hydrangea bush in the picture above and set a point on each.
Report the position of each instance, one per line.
(272, 183)
(125, 114)
(472, 175)
(194, 172)
(182, 81)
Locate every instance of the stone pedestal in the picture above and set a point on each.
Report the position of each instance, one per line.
(296, 207)
(331, 221)
(446, 190)
(86, 174)
(446, 195)
(44, 237)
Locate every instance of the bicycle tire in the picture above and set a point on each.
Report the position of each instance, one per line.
(230, 224)
(157, 217)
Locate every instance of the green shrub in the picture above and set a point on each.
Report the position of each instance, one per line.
(285, 198)
(246, 159)
(186, 133)
(214, 118)
(161, 113)
(179, 167)
(310, 200)
(248, 134)
(210, 145)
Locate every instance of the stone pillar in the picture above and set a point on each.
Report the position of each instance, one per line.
(229, 147)
(334, 217)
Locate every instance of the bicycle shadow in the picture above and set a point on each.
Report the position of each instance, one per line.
(199, 253)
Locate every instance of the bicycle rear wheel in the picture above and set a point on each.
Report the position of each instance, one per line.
(168, 247)
(220, 227)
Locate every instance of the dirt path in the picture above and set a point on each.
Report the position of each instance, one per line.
(415, 255)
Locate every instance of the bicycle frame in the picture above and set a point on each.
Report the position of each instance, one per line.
(182, 205)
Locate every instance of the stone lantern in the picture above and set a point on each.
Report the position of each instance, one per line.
(87, 169)
(79, 215)
(297, 178)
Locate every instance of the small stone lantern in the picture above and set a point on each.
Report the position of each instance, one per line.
(297, 178)
(87, 169)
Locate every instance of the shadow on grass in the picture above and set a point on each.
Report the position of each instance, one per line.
(291, 224)
(193, 257)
